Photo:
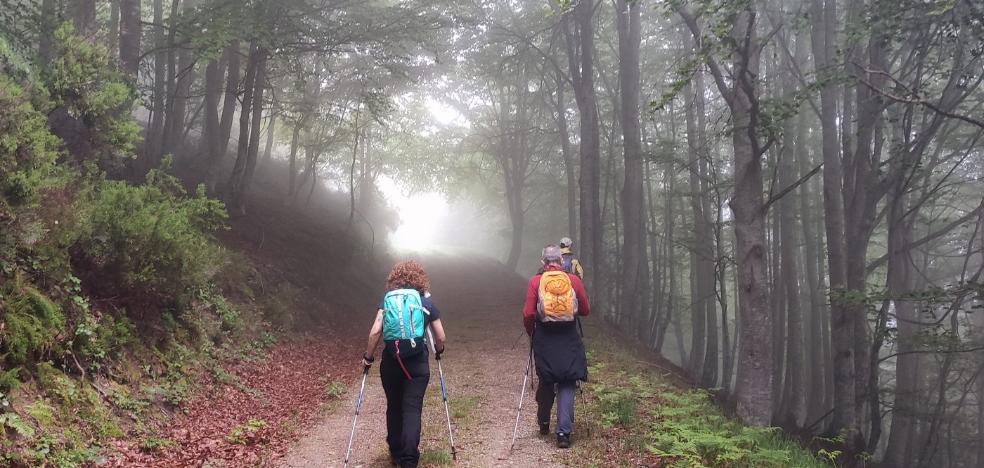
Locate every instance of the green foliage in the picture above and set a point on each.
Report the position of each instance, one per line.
(334, 389)
(98, 339)
(646, 418)
(77, 402)
(691, 431)
(244, 434)
(42, 412)
(435, 458)
(13, 422)
(155, 444)
(153, 237)
(617, 404)
(9, 380)
(32, 324)
(11, 60)
(27, 149)
(83, 79)
(51, 451)
(463, 407)
(123, 399)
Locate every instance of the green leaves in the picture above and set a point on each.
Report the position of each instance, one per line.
(155, 241)
(27, 149)
(32, 322)
(691, 431)
(84, 81)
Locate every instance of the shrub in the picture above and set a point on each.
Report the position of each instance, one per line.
(27, 149)
(83, 79)
(153, 240)
(32, 324)
(98, 339)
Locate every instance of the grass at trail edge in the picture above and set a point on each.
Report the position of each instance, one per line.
(632, 413)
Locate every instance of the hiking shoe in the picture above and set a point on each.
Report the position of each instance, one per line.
(544, 428)
(563, 440)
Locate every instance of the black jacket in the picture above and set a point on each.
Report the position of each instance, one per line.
(559, 353)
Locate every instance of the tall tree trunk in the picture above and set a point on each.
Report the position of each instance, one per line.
(85, 18)
(753, 383)
(824, 43)
(570, 167)
(794, 393)
(46, 30)
(815, 357)
(235, 188)
(703, 287)
(698, 250)
(231, 55)
(721, 278)
(355, 154)
(158, 103)
(513, 160)
(899, 283)
(130, 32)
(753, 386)
(580, 52)
(113, 38)
(255, 136)
(863, 190)
(170, 88)
(271, 134)
(674, 287)
(292, 162)
(634, 255)
(174, 124)
(210, 132)
(778, 306)
(656, 309)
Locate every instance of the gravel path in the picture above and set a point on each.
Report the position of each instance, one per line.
(484, 364)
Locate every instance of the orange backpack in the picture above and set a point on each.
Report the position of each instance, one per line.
(556, 301)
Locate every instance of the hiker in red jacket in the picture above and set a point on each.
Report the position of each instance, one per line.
(554, 300)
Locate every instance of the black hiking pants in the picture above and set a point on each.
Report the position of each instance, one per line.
(404, 403)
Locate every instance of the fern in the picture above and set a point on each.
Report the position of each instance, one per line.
(9, 379)
(21, 427)
(689, 430)
(32, 325)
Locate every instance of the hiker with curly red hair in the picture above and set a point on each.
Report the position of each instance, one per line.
(401, 321)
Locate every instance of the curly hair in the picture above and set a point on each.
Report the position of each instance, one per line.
(408, 275)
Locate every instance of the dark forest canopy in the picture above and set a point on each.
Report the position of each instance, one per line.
(782, 197)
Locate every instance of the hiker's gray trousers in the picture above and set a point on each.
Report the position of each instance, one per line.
(564, 394)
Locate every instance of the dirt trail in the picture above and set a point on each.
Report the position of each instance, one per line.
(486, 355)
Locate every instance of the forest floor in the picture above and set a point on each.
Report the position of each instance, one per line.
(290, 403)
(293, 406)
(480, 303)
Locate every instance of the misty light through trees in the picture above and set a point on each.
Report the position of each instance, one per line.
(782, 197)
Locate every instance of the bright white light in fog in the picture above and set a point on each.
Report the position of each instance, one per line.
(444, 114)
(421, 216)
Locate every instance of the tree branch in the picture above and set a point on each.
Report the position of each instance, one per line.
(929, 237)
(791, 187)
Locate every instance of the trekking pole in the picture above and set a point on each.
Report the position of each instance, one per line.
(522, 394)
(358, 407)
(444, 393)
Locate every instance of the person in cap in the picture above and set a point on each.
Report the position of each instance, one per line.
(570, 262)
(554, 301)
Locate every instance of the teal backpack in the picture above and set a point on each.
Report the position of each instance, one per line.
(404, 318)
